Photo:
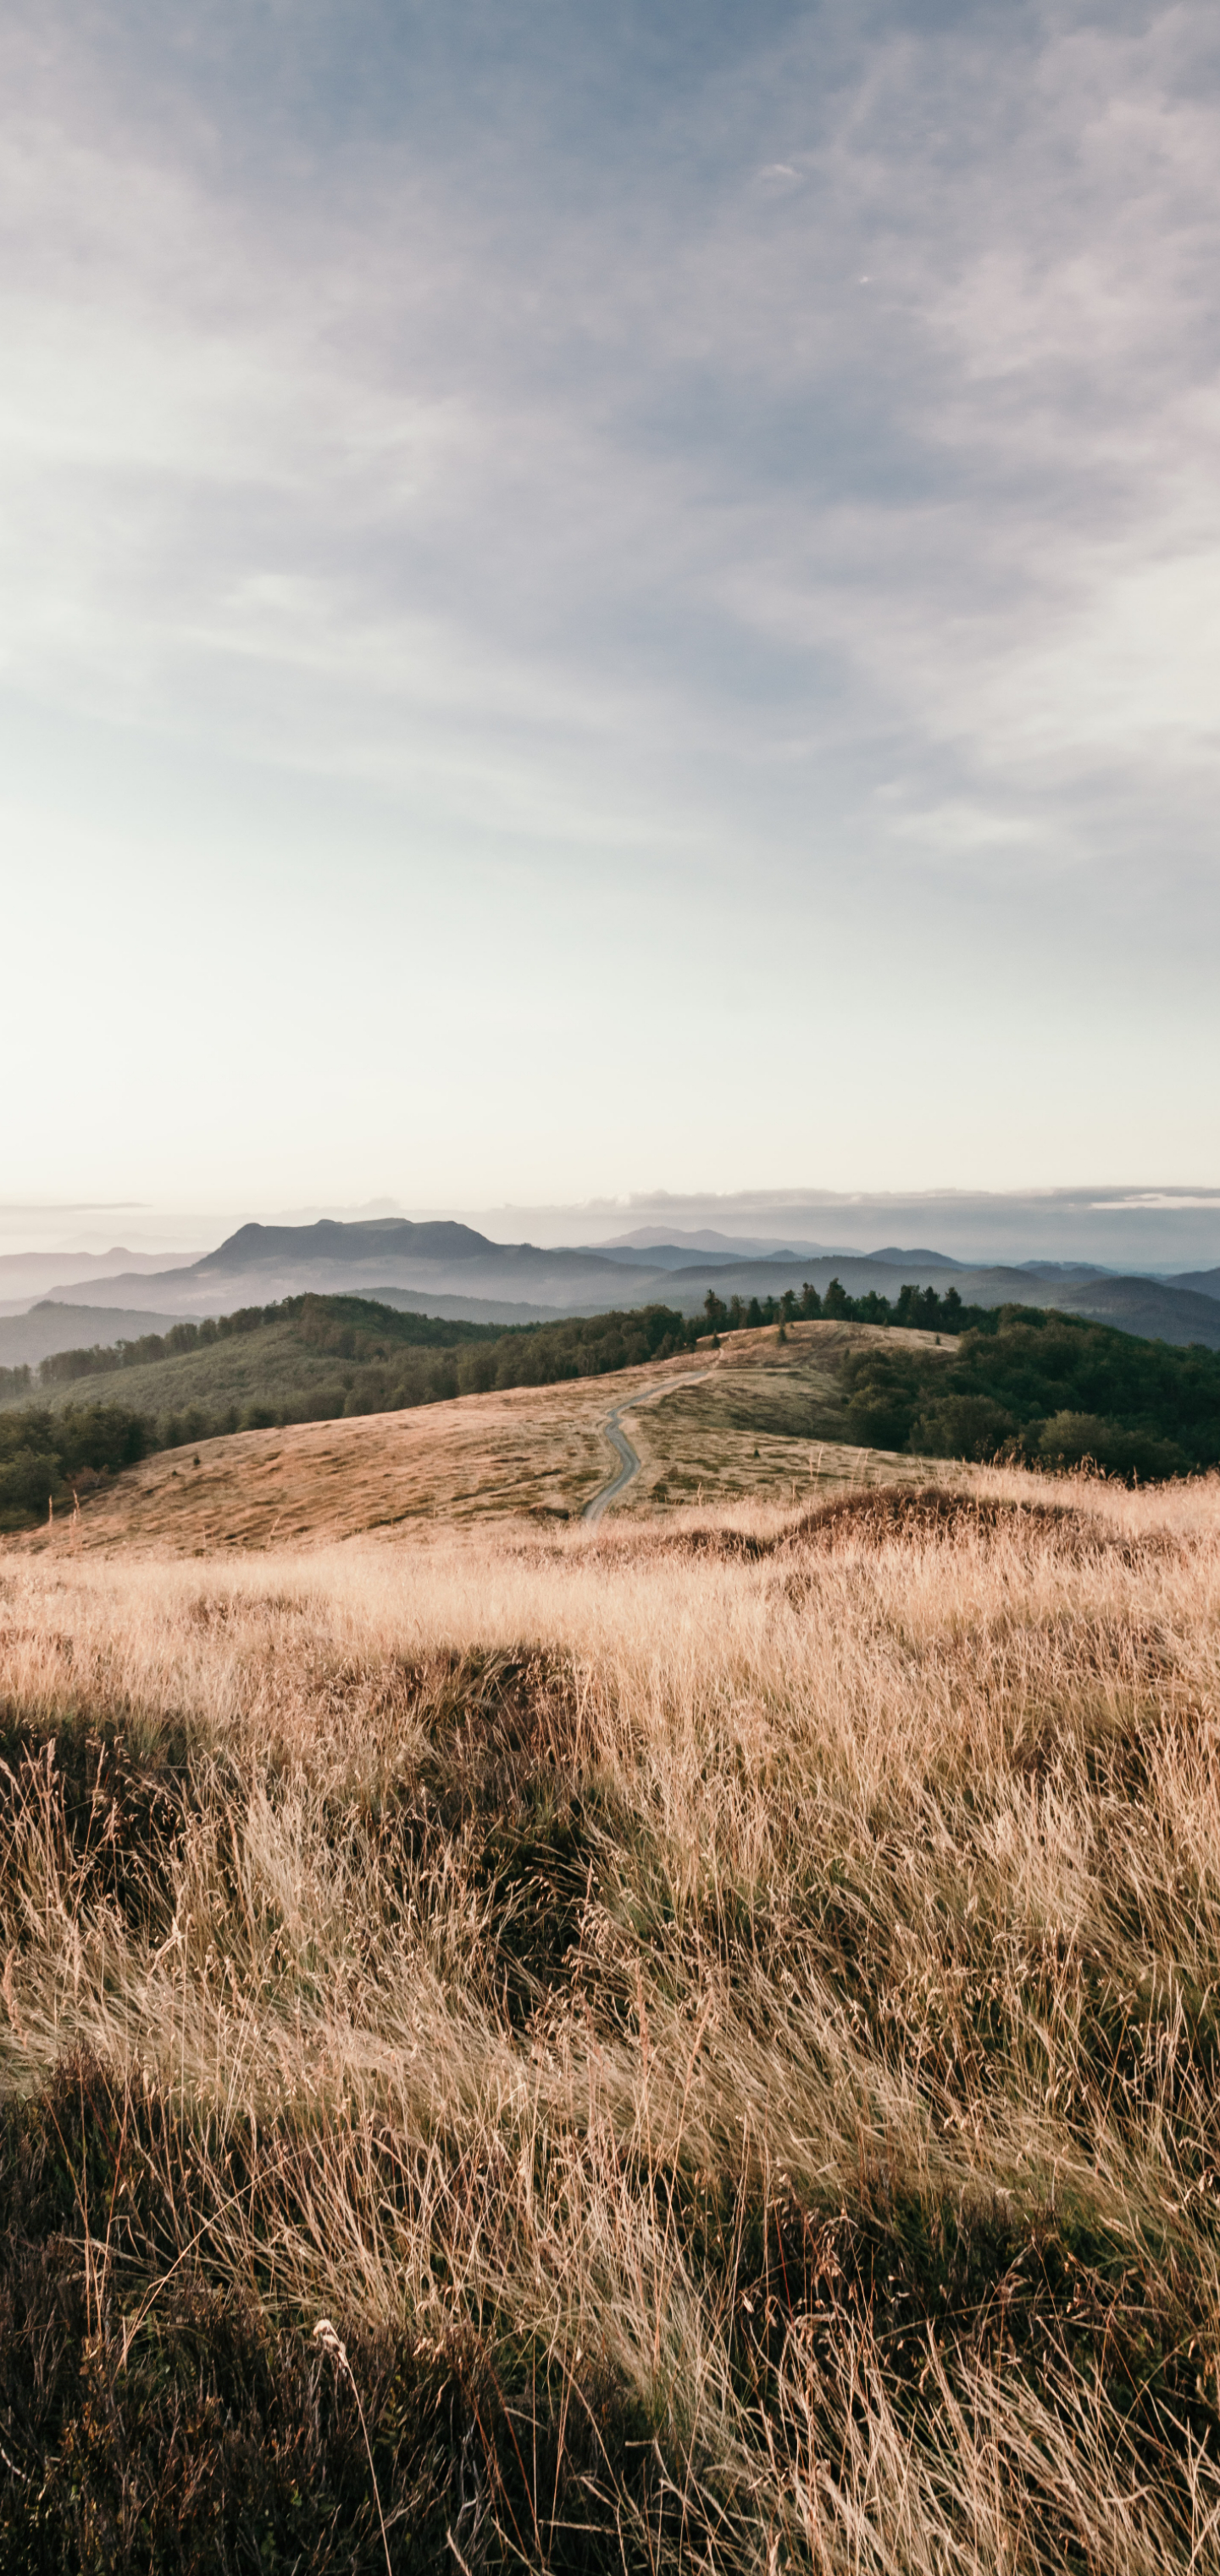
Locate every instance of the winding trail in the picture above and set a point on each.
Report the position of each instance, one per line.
(617, 1437)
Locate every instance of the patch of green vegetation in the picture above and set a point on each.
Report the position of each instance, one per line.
(45, 1454)
(311, 1357)
(1046, 1389)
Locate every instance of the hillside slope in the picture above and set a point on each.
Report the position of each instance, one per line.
(27, 1339)
(768, 1420)
(1205, 1283)
(316, 1357)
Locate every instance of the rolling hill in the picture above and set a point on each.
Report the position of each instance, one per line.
(1204, 1283)
(935, 1380)
(747, 1429)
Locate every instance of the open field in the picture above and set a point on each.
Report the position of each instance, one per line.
(762, 1423)
(718, 2012)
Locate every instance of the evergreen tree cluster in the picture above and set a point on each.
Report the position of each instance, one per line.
(923, 1309)
(45, 1455)
(1025, 1383)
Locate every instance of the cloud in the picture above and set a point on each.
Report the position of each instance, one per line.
(488, 428)
(1141, 1229)
(454, 444)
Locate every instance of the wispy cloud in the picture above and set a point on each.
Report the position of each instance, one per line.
(783, 456)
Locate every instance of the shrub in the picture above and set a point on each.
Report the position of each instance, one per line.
(962, 1426)
(28, 1479)
(1070, 1439)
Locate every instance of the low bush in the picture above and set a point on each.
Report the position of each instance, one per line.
(42, 1453)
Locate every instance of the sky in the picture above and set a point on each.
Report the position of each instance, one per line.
(606, 601)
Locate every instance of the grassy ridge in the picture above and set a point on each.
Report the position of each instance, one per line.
(723, 2026)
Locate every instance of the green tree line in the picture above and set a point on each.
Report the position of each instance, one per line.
(47, 1456)
(1025, 1383)
(360, 1324)
(924, 1309)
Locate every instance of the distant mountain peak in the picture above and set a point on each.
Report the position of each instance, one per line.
(347, 1240)
(917, 1252)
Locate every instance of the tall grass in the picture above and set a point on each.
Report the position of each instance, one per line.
(722, 2024)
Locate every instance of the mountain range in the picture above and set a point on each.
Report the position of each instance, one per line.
(445, 1268)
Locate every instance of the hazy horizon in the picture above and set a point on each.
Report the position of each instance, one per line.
(1149, 1229)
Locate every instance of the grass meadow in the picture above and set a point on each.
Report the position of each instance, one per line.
(685, 2045)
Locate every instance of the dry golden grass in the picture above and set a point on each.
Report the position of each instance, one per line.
(720, 2011)
(762, 1425)
(533, 1450)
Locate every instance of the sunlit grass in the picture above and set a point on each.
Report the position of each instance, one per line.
(721, 2014)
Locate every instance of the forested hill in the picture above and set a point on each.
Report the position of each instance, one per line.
(1043, 1389)
(318, 1356)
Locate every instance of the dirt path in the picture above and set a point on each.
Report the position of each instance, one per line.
(612, 1431)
